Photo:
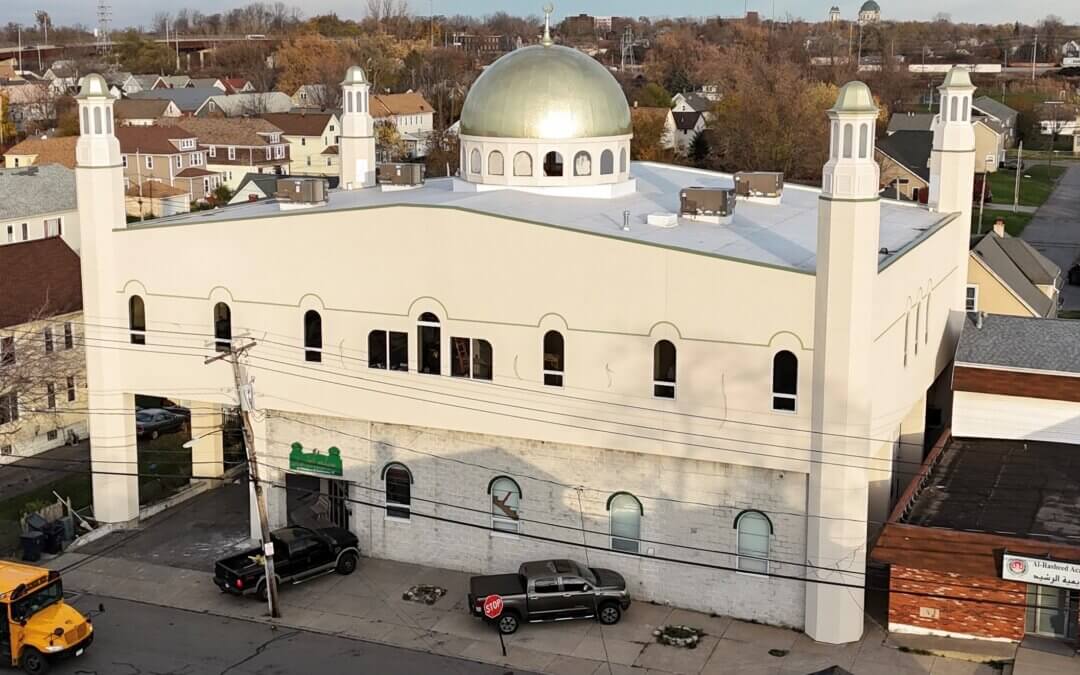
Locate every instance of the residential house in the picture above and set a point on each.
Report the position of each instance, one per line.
(703, 101)
(143, 111)
(137, 83)
(31, 105)
(904, 158)
(1070, 54)
(1005, 116)
(206, 83)
(116, 80)
(238, 85)
(156, 199)
(910, 121)
(187, 99)
(245, 105)
(36, 151)
(411, 114)
(172, 155)
(238, 146)
(1006, 275)
(177, 81)
(310, 136)
(687, 126)
(9, 69)
(62, 77)
(656, 114)
(43, 397)
(312, 96)
(989, 136)
(37, 202)
(253, 187)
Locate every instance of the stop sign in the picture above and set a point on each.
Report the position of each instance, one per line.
(493, 606)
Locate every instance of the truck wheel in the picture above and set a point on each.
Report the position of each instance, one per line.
(346, 564)
(34, 662)
(508, 623)
(610, 614)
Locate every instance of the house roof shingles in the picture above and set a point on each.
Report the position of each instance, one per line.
(911, 149)
(153, 189)
(686, 121)
(57, 150)
(994, 108)
(41, 279)
(1020, 267)
(910, 122)
(140, 108)
(1019, 342)
(188, 99)
(155, 140)
(299, 124)
(229, 131)
(385, 105)
(33, 190)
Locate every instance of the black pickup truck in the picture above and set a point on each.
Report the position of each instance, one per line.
(551, 590)
(300, 554)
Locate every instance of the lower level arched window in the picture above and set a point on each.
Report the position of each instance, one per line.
(664, 369)
(398, 481)
(505, 502)
(785, 378)
(553, 358)
(754, 529)
(312, 336)
(222, 327)
(137, 320)
(624, 513)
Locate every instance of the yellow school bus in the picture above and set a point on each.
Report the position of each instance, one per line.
(37, 627)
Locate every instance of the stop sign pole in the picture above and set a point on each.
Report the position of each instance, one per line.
(493, 608)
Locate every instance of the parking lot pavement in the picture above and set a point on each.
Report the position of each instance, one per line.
(1055, 230)
(170, 564)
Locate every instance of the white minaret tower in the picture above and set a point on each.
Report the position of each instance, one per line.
(357, 146)
(849, 217)
(99, 185)
(952, 170)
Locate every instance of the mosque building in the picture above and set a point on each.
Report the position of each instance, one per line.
(716, 390)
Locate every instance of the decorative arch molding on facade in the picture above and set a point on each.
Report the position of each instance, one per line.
(665, 330)
(311, 301)
(553, 321)
(623, 493)
(220, 294)
(501, 476)
(134, 287)
(735, 523)
(396, 465)
(426, 303)
(786, 339)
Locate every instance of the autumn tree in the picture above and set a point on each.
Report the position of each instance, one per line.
(444, 153)
(649, 135)
(310, 58)
(389, 145)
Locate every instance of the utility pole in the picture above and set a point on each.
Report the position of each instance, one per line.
(245, 392)
(1034, 54)
(1019, 170)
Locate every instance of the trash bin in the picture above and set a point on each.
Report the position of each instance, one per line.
(53, 543)
(31, 546)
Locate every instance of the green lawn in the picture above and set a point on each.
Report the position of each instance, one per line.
(1014, 222)
(1036, 184)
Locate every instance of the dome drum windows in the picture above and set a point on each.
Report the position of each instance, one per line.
(625, 512)
(523, 164)
(607, 163)
(495, 163)
(664, 369)
(474, 161)
(471, 357)
(505, 503)
(553, 164)
(582, 164)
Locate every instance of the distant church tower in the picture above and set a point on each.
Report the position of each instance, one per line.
(99, 186)
(834, 14)
(952, 163)
(357, 147)
(849, 217)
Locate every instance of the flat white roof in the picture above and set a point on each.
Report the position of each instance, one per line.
(781, 235)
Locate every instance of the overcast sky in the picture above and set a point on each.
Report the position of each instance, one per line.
(128, 12)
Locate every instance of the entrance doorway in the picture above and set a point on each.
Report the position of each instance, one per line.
(315, 501)
(1051, 612)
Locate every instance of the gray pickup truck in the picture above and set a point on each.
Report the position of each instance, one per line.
(551, 590)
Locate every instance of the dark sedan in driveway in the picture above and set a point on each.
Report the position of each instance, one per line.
(153, 422)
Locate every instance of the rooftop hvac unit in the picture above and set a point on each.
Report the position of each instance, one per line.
(300, 191)
(760, 186)
(715, 205)
(399, 176)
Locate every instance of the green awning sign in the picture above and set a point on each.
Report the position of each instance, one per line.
(314, 461)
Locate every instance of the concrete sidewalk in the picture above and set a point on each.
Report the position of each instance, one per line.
(368, 605)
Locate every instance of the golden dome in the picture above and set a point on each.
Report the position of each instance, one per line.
(546, 92)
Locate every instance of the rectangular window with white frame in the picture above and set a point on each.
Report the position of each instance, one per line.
(149, 161)
(179, 161)
(971, 298)
(232, 152)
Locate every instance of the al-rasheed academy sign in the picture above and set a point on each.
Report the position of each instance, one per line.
(1057, 573)
(328, 464)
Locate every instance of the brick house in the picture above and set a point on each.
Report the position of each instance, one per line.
(170, 155)
(238, 146)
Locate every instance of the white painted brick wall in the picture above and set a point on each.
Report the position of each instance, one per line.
(448, 475)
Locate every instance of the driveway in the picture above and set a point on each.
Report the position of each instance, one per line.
(1055, 230)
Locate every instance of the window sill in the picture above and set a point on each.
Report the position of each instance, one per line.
(397, 519)
(756, 575)
(502, 534)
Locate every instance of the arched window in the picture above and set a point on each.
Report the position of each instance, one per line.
(97, 119)
(848, 140)
(664, 369)
(398, 483)
(474, 161)
(754, 532)
(624, 515)
(864, 138)
(108, 121)
(85, 121)
(918, 324)
(505, 502)
(964, 109)
(495, 163)
(429, 342)
(607, 163)
(137, 320)
(222, 327)
(835, 140)
(944, 101)
(312, 336)
(582, 164)
(785, 381)
(622, 160)
(953, 101)
(553, 164)
(523, 164)
(348, 102)
(553, 358)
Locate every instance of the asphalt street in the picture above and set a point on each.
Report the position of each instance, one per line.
(137, 639)
(1055, 230)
